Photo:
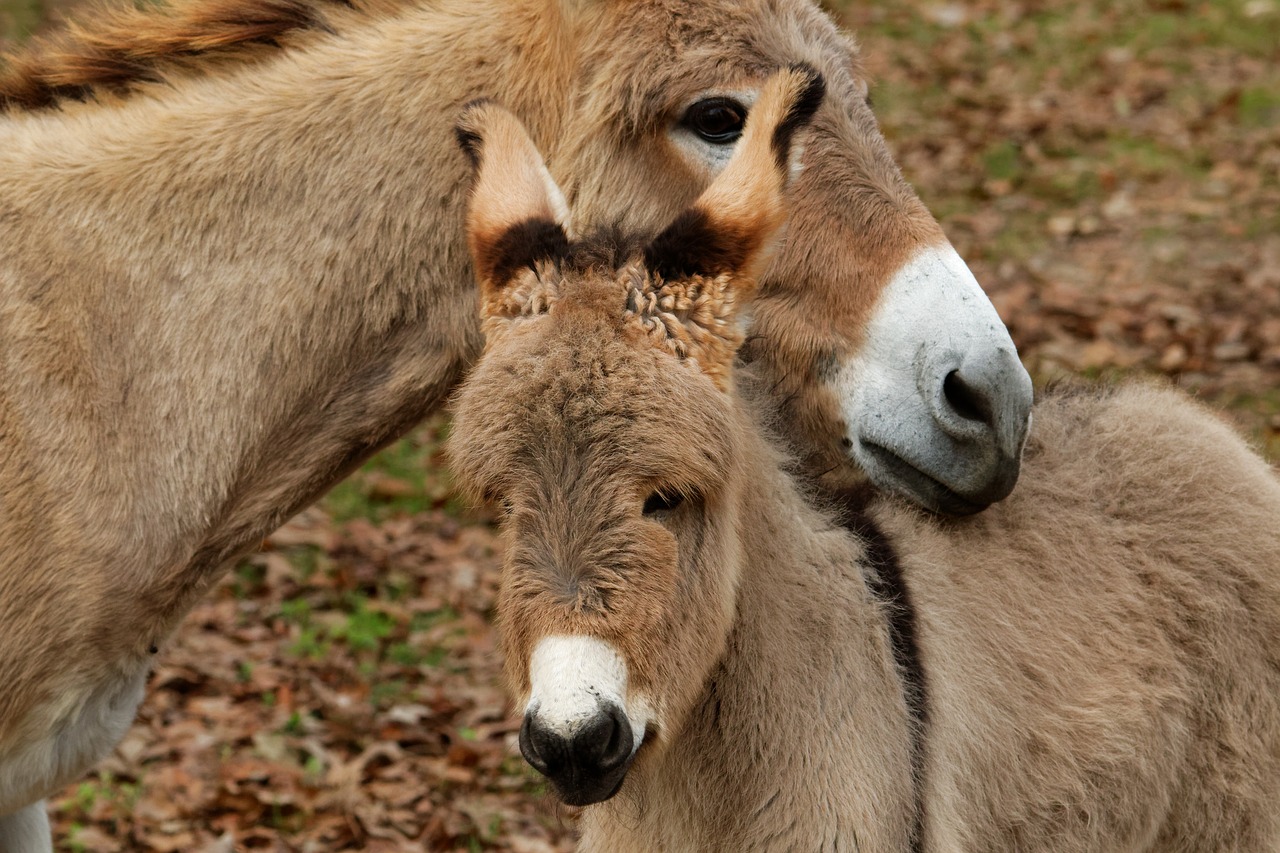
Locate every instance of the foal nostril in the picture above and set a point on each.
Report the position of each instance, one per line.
(970, 401)
(605, 742)
(546, 751)
(600, 746)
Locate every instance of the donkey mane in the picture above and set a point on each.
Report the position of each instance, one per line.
(123, 47)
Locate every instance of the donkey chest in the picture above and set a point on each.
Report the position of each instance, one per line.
(65, 736)
(802, 796)
(817, 757)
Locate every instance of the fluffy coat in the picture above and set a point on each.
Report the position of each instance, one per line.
(1091, 665)
(229, 273)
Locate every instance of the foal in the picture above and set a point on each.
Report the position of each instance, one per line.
(1093, 665)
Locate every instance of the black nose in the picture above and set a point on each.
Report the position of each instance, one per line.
(588, 764)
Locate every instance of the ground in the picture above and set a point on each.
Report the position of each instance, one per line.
(1111, 170)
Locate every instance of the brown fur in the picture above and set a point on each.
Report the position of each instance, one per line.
(125, 46)
(1102, 649)
(219, 293)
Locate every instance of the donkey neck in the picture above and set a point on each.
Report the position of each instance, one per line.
(217, 298)
(801, 739)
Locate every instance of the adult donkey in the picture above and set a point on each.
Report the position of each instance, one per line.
(232, 267)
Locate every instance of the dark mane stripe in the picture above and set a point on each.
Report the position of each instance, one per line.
(886, 581)
(125, 46)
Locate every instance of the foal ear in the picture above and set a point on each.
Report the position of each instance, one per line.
(734, 226)
(516, 216)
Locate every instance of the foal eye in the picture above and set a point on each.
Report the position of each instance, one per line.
(662, 502)
(717, 120)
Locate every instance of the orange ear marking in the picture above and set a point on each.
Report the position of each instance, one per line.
(517, 214)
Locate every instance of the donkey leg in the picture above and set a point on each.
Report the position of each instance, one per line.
(26, 830)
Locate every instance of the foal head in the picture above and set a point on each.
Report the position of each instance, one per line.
(601, 418)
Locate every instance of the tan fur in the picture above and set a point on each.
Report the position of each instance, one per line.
(220, 291)
(1104, 649)
(1101, 650)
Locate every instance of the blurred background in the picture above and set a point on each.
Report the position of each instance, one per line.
(1109, 168)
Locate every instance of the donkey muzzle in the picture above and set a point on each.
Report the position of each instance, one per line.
(936, 403)
(586, 764)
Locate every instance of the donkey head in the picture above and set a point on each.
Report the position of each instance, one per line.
(883, 355)
(601, 417)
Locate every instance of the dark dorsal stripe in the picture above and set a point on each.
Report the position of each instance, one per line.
(885, 579)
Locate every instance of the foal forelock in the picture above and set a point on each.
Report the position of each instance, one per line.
(693, 317)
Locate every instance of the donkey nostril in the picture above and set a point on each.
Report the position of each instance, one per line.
(546, 751)
(967, 401)
(605, 742)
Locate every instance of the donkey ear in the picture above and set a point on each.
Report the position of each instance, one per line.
(517, 215)
(733, 227)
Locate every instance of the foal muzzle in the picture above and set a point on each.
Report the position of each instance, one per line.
(585, 765)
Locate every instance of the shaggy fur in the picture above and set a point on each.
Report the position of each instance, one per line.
(125, 46)
(220, 291)
(1101, 650)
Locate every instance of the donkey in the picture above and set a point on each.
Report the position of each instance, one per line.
(1091, 665)
(232, 267)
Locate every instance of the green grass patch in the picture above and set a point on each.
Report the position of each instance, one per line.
(1002, 161)
(248, 580)
(364, 629)
(430, 619)
(384, 694)
(406, 478)
(94, 796)
(905, 24)
(1264, 224)
(1259, 106)
(354, 625)
(1140, 157)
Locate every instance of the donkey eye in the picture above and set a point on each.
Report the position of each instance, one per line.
(662, 502)
(717, 120)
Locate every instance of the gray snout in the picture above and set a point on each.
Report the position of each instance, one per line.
(586, 765)
(953, 443)
(936, 403)
(982, 401)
